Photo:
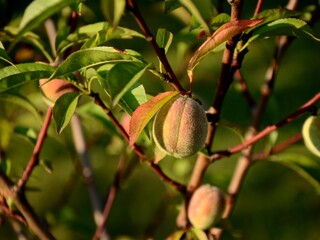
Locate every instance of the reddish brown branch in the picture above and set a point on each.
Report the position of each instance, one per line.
(308, 106)
(111, 197)
(34, 160)
(135, 147)
(33, 222)
(258, 7)
(278, 148)
(132, 7)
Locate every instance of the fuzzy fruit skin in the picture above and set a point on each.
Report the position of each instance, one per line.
(55, 88)
(206, 206)
(180, 127)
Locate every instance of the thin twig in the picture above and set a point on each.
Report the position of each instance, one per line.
(258, 7)
(82, 150)
(34, 160)
(33, 221)
(223, 84)
(135, 147)
(111, 197)
(132, 7)
(245, 160)
(308, 106)
(278, 148)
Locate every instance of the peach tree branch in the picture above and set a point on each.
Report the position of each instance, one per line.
(133, 8)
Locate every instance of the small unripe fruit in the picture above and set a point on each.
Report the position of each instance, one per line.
(206, 206)
(53, 89)
(180, 127)
(311, 134)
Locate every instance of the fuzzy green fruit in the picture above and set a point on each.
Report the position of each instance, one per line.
(180, 127)
(206, 206)
(311, 134)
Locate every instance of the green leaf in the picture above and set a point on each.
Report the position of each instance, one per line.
(93, 35)
(300, 164)
(94, 111)
(192, 8)
(311, 134)
(133, 98)
(171, 5)
(3, 54)
(37, 42)
(222, 34)
(64, 109)
(13, 76)
(270, 15)
(5, 133)
(119, 79)
(164, 38)
(197, 234)
(283, 27)
(92, 57)
(28, 133)
(144, 113)
(40, 10)
(14, 98)
(113, 10)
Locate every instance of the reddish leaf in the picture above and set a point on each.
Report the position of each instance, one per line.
(144, 113)
(222, 34)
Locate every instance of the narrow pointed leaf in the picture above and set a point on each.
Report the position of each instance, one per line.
(16, 99)
(287, 26)
(113, 10)
(164, 38)
(188, 4)
(3, 54)
(93, 35)
(133, 98)
(144, 113)
(119, 79)
(13, 76)
(40, 10)
(300, 164)
(222, 34)
(94, 57)
(64, 109)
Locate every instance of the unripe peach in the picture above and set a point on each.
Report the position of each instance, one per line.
(180, 127)
(53, 89)
(206, 206)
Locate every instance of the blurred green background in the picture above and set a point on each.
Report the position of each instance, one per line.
(275, 203)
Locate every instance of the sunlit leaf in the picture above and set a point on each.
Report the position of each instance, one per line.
(192, 8)
(164, 38)
(197, 234)
(120, 78)
(222, 34)
(94, 57)
(13, 76)
(113, 10)
(283, 27)
(40, 10)
(144, 113)
(133, 98)
(93, 35)
(23, 102)
(64, 109)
